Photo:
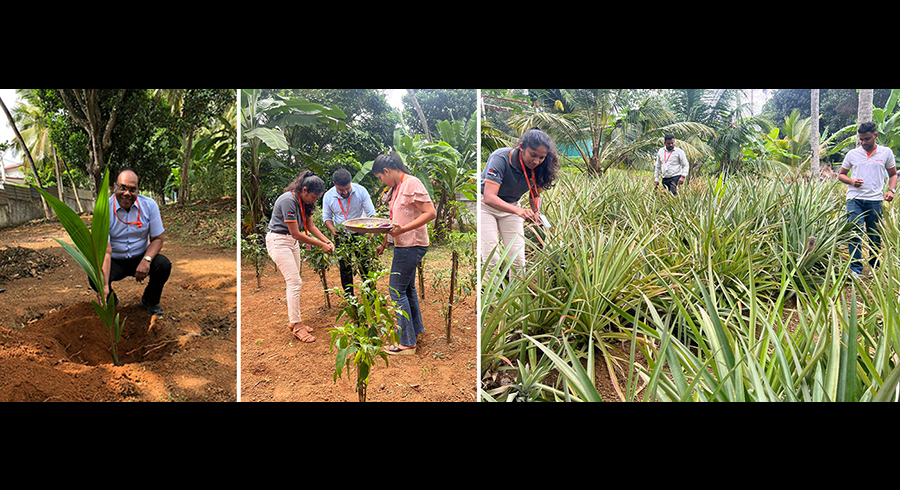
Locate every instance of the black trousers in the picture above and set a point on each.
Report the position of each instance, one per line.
(160, 268)
(346, 266)
(671, 183)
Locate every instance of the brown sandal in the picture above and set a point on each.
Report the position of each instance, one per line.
(298, 327)
(302, 336)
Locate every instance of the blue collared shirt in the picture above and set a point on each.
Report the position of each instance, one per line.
(358, 205)
(129, 241)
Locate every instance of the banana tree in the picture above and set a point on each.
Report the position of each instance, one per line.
(89, 251)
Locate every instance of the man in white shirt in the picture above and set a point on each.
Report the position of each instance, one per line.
(671, 165)
(863, 170)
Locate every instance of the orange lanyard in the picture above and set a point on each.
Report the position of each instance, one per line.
(303, 217)
(135, 223)
(667, 156)
(393, 197)
(302, 212)
(532, 191)
(347, 212)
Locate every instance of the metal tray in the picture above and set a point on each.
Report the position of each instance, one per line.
(369, 225)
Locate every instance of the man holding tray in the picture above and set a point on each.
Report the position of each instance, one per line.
(346, 201)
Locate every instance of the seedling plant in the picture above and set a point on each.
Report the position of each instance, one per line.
(89, 252)
(370, 323)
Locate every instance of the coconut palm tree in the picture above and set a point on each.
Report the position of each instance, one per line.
(608, 127)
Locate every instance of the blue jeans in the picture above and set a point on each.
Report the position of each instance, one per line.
(865, 216)
(403, 291)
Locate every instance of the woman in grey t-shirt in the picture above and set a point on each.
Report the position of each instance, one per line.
(510, 173)
(291, 223)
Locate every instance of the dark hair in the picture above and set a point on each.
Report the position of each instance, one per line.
(867, 127)
(341, 177)
(309, 181)
(669, 136)
(391, 160)
(546, 173)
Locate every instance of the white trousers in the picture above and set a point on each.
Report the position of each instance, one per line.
(285, 252)
(499, 229)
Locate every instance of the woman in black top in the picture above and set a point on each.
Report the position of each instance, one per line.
(291, 223)
(528, 168)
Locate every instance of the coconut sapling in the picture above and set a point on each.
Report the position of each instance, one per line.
(89, 252)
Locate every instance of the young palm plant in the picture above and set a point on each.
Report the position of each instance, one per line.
(89, 251)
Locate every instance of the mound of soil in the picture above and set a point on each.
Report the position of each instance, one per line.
(18, 262)
(53, 346)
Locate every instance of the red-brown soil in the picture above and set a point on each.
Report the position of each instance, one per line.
(277, 367)
(54, 348)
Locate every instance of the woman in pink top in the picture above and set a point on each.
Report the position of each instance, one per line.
(411, 209)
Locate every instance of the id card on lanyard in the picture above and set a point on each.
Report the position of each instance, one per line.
(532, 190)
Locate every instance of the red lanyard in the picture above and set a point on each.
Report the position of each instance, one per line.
(135, 223)
(303, 217)
(302, 212)
(667, 156)
(532, 191)
(393, 197)
(347, 212)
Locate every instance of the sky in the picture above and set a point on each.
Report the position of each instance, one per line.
(9, 98)
(394, 95)
(6, 133)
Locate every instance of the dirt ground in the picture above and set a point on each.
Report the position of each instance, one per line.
(54, 348)
(277, 367)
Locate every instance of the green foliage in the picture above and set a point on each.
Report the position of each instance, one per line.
(253, 248)
(89, 252)
(370, 319)
(735, 290)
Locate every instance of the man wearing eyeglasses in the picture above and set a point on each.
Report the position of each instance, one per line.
(345, 201)
(136, 236)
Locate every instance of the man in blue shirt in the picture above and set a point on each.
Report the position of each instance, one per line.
(136, 236)
(342, 202)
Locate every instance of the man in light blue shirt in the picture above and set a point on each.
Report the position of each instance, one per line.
(342, 202)
(136, 236)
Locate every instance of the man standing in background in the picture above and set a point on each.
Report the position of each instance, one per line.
(343, 202)
(863, 171)
(671, 165)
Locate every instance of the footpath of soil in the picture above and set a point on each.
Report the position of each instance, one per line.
(277, 367)
(54, 348)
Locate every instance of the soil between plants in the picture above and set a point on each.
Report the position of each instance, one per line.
(277, 367)
(53, 346)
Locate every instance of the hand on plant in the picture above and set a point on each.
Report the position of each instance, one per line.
(328, 247)
(379, 249)
(889, 196)
(681, 181)
(527, 214)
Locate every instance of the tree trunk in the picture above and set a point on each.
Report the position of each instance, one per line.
(814, 134)
(864, 112)
(453, 270)
(89, 117)
(37, 176)
(412, 95)
(71, 181)
(184, 194)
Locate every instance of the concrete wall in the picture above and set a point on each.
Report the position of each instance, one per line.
(20, 204)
